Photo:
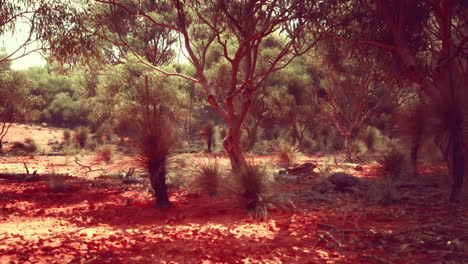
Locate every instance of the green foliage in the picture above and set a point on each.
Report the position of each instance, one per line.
(61, 104)
(120, 90)
(17, 103)
(63, 110)
(81, 136)
(208, 177)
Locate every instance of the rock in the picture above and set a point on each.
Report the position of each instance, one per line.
(343, 180)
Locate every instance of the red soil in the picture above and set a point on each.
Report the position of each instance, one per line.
(100, 220)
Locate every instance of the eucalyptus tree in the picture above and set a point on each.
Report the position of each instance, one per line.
(348, 94)
(431, 40)
(236, 30)
(428, 38)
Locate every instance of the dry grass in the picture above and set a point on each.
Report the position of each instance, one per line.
(394, 163)
(208, 177)
(66, 136)
(28, 146)
(286, 152)
(105, 153)
(253, 186)
(81, 136)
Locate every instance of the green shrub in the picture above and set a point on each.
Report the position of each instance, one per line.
(81, 136)
(208, 177)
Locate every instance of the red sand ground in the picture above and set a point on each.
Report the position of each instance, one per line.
(101, 220)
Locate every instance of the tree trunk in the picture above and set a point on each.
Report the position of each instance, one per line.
(456, 162)
(233, 147)
(157, 171)
(415, 145)
(209, 141)
(347, 148)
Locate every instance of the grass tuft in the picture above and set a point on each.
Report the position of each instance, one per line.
(208, 177)
(81, 136)
(286, 152)
(255, 190)
(105, 153)
(394, 163)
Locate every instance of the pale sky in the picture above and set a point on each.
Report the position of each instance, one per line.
(11, 42)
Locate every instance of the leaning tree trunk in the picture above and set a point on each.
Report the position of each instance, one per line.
(157, 171)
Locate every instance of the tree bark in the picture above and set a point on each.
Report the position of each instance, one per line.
(233, 147)
(157, 170)
(415, 145)
(347, 147)
(456, 162)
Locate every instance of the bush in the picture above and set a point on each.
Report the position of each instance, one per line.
(254, 188)
(357, 148)
(286, 152)
(209, 175)
(371, 137)
(394, 163)
(66, 136)
(29, 146)
(105, 153)
(81, 136)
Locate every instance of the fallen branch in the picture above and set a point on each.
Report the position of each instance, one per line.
(83, 166)
(88, 167)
